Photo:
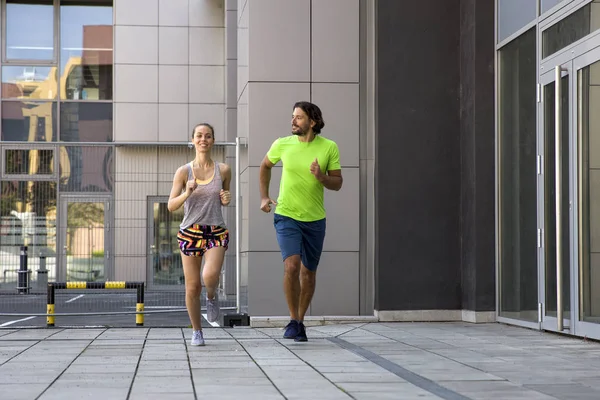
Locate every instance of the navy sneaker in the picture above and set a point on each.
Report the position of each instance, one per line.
(301, 336)
(291, 330)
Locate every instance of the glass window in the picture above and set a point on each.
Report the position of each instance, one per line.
(513, 15)
(86, 54)
(28, 121)
(548, 4)
(518, 179)
(27, 217)
(86, 122)
(29, 30)
(86, 169)
(570, 29)
(29, 162)
(38, 83)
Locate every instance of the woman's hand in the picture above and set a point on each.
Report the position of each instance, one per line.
(225, 197)
(190, 186)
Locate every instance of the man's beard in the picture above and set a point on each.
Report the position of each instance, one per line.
(299, 131)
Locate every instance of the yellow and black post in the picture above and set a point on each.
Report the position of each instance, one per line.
(50, 305)
(139, 307)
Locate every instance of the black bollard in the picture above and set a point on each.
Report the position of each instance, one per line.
(42, 273)
(23, 273)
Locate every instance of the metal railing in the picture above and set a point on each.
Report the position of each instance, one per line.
(98, 225)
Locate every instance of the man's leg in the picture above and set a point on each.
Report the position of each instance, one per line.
(291, 285)
(313, 236)
(307, 290)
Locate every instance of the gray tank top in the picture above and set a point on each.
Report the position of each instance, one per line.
(203, 207)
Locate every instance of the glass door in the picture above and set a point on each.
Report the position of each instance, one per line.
(84, 237)
(165, 269)
(555, 166)
(587, 125)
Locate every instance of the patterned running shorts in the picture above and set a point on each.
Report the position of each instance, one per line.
(196, 239)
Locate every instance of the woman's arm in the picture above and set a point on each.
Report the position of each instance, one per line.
(178, 196)
(226, 178)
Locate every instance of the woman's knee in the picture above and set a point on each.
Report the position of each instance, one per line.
(193, 288)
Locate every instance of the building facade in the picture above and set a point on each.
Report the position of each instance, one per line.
(465, 130)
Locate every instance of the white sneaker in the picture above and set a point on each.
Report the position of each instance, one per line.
(197, 338)
(212, 308)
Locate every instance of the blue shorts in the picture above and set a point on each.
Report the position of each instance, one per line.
(300, 238)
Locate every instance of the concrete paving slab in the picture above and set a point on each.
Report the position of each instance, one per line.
(161, 396)
(371, 361)
(99, 393)
(237, 392)
(71, 334)
(19, 391)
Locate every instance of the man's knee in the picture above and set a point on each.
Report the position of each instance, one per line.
(292, 265)
(306, 273)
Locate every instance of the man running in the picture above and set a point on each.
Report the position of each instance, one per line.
(310, 163)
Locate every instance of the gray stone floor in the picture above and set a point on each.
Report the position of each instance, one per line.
(358, 361)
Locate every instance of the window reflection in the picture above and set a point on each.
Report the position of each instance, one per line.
(27, 218)
(86, 32)
(28, 82)
(22, 41)
(86, 122)
(166, 258)
(548, 4)
(86, 169)
(570, 29)
(517, 136)
(26, 121)
(514, 15)
(29, 162)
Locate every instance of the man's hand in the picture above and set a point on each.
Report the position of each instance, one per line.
(265, 204)
(315, 169)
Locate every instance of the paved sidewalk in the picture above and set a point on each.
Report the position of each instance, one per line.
(453, 361)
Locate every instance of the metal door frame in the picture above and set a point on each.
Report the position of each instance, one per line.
(63, 201)
(581, 328)
(548, 322)
(585, 53)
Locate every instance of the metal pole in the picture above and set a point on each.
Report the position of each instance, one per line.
(238, 225)
(22, 274)
(558, 194)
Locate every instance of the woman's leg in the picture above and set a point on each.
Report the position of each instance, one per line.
(213, 262)
(193, 287)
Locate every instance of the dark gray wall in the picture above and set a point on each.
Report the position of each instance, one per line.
(432, 175)
(418, 155)
(477, 154)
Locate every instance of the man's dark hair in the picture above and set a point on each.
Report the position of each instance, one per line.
(314, 113)
(209, 126)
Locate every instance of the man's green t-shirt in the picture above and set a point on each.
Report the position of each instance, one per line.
(300, 193)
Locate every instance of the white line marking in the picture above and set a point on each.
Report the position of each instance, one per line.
(214, 324)
(160, 307)
(15, 321)
(75, 298)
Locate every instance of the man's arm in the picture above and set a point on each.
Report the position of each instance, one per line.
(265, 180)
(332, 180)
(265, 177)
